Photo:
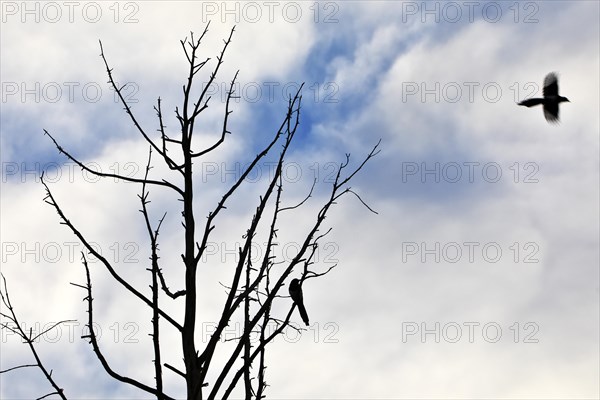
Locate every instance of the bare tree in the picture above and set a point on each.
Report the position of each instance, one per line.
(253, 288)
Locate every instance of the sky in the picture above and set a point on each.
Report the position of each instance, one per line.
(477, 278)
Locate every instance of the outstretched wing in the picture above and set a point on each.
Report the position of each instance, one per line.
(531, 102)
(551, 112)
(551, 85)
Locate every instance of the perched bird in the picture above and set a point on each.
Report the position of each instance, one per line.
(551, 98)
(296, 294)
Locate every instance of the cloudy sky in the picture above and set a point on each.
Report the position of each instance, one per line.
(478, 277)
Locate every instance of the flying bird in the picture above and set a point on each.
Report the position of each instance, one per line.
(551, 99)
(296, 293)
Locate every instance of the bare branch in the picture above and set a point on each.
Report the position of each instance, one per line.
(303, 201)
(50, 200)
(259, 349)
(172, 165)
(47, 395)
(52, 327)
(105, 175)
(17, 367)
(197, 109)
(94, 341)
(231, 303)
(246, 338)
(190, 354)
(128, 110)
(259, 156)
(310, 241)
(154, 257)
(361, 200)
(371, 154)
(164, 287)
(224, 131)
(29, 340)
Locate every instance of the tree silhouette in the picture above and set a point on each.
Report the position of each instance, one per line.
(254, 287)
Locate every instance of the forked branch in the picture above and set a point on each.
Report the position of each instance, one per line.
(15, 326)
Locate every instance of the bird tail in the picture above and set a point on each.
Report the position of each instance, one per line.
(303, 313)
(531, 102)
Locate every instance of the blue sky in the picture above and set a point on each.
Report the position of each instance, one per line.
(477, 279)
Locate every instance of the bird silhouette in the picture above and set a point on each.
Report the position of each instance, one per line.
(551, 99)
(296, 293)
